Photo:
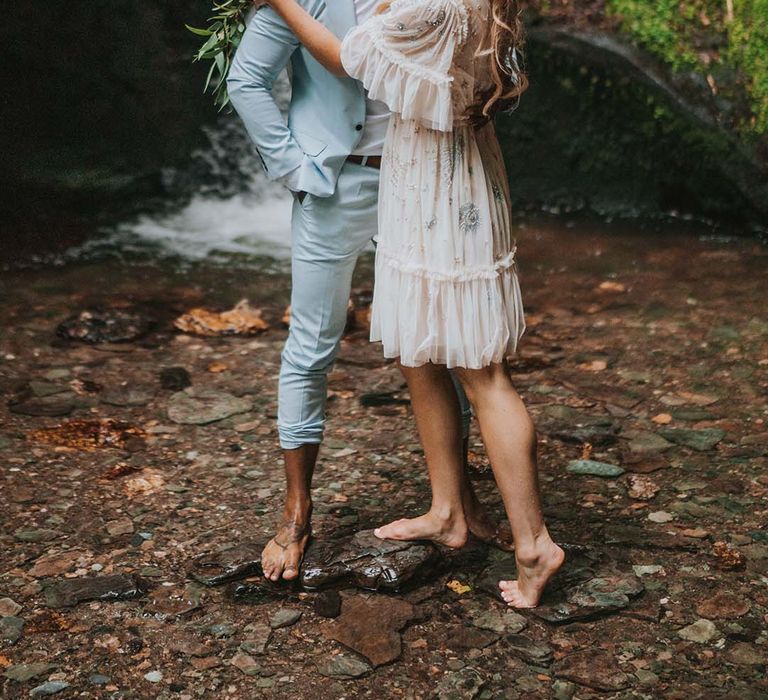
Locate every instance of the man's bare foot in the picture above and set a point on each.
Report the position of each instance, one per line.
(534, 569)
(283, 553)
(449, 531)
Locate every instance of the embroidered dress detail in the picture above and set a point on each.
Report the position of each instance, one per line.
(447, 288)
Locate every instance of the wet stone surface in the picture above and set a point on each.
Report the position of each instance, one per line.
(624, 363)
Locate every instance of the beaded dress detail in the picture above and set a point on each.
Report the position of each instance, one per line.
(446, 289)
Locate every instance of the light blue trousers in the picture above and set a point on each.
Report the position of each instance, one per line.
(329, 234)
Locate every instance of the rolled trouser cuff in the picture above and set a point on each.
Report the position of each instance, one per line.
(292, 438)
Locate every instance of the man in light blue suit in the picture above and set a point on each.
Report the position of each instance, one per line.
(328, 154)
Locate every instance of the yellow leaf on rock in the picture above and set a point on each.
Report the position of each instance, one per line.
(662, 418)
(218, 367)
(458, 587)
(243, 319)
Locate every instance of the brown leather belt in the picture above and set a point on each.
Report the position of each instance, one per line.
(370, 161)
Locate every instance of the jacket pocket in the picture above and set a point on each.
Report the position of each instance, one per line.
(311, 145)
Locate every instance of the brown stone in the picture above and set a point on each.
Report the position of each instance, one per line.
(723, 606)
(371, 627)
(54, 564)
(593, 669)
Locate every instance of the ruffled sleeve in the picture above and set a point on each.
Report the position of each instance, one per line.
(403, 57)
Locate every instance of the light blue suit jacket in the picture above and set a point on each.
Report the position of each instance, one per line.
(327, 112)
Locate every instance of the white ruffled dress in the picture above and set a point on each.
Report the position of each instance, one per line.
(446, 287)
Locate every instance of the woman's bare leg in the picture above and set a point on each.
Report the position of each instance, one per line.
(438, 419)
(510, 441)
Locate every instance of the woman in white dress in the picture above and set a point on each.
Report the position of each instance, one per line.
(447, 292)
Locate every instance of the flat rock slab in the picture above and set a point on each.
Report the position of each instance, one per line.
(11, 628)
(371, 627)
(647, 539)
(202, 406)
(21, 673)
(465, 684)
(128, 396)
(105, 326)
(367, 562)
(344, 666)
(462, 638)
(79, 590)
(699, 440)
(227, 565)
(583, 589)
(528, 650)
(593, 468)
(593, 669)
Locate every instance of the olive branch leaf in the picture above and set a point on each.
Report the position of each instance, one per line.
(222, 37)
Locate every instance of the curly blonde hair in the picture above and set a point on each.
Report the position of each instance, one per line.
(503, 42)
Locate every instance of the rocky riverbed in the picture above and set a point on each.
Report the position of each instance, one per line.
(141, 476)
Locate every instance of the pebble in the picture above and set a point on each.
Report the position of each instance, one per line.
(660, 516)
(153, 676)
(48, 688)
(245, 663)
(344, 666)
(21, 673)
(9, 607)
(645, 570)
(701, 631)
(285, 618)
(203, 406)
(11, 628)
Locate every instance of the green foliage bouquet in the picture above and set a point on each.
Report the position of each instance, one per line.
(222, 37)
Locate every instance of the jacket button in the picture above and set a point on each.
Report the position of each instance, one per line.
(358, 127)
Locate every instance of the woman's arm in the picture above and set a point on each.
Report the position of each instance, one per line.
(320, 41)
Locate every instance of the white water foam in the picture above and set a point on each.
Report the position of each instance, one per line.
(246, 224)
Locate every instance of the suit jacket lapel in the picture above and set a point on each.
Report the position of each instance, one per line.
(341, 16)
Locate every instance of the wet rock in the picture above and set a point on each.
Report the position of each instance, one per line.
(203, 406)
(79, 590)
(645, 442)
(245, 663)
(371, 627)
(660, 516)
(506, 621)
(284, 618)
(367, 562)
(745, 654)
(528, 650)
(121, 526)
(48, 688)
(594, 598)
(175, 378)
(11, 628)
(344, 666)
(38, 535)
(593, 468)
(592, 669)
(128, 396)
(465, 684)
(89, 434)
(58, 405)
(225, 566)
(701, 631)
(54, 564)
(21, 673)
(639, 537)
(172, 601)
(723, 606)
(255, 593)
(8, 606)
(258, 638)
(105, 326)
(700, 440)
(461, 637)
(328, 604)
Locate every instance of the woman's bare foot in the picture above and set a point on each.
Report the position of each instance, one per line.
(283, 553)
(451, 531)
(534, 569)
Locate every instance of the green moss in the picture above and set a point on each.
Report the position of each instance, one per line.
(748, 51)
(694, 34)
